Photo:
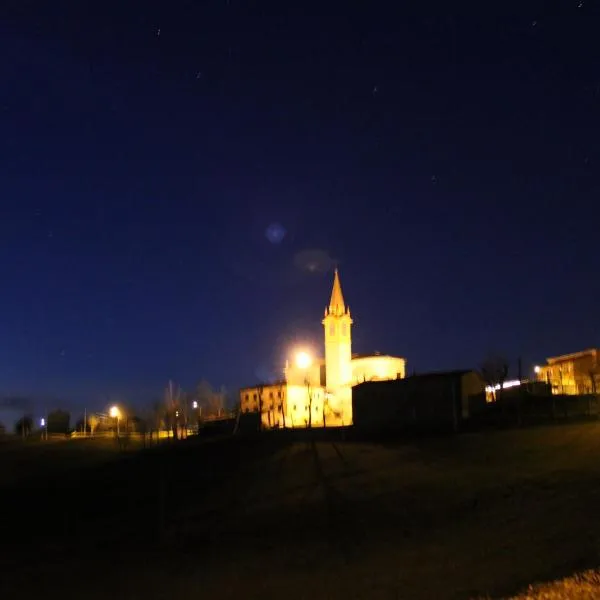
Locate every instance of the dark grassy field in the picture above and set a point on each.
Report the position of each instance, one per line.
(279, 516)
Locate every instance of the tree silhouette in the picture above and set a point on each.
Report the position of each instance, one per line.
(494, 371)
(24, 426)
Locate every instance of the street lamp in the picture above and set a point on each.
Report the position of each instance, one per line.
(537, 369)
(303, 360)
(115, 413)
(195, 404)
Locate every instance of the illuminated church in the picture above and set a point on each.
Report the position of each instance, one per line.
(317, 392)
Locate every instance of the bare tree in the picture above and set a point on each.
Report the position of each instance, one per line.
(282, 401)
(260, 390)
(593, 373)
(173, 396)
(157, 418)
(494, 371)
(24, 426)
(310, 401)
(211, 402)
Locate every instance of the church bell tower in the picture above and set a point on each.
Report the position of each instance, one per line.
(338, 343)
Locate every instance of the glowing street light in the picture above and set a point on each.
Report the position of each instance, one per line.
(115, 413)
(303, 360)
(195, 404)
(537, 369)
(42, 422)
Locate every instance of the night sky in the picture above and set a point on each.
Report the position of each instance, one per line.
(178, 180)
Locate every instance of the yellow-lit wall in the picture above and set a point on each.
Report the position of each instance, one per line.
(338, 350)
(573, 373)
(271, 398)
(296, 376)
(301, 400)
(287, 405)
(377, 368)
(290, 405)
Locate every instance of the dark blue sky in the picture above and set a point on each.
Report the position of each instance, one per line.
(444, 155)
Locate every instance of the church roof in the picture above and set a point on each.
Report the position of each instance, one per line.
(336, 303)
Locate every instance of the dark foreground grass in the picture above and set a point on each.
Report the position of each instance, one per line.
(479, 515)
(24, 463)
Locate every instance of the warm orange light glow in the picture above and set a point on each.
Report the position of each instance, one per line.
(303, 360)
(114, 412)
(537, 369)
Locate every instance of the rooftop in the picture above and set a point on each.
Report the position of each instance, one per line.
(374, 354)
(422, 377)
(572, 356)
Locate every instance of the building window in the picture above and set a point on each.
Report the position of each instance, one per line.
(279, 394)
(271, 395)
(255, 397)
(295, 407)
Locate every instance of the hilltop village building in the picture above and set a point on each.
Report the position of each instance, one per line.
(576, 373)
(317, 392)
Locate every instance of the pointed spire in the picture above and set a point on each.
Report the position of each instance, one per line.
(336, 303)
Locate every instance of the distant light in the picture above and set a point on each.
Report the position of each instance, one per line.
(303, 360)
(42, 422)
(506, 384)
(176, 413)
(115, 413)
(537, 368)
(195, 404)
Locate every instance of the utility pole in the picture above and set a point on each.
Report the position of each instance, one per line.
(84, 422)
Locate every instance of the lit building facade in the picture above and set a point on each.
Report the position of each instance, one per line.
(318, 391)
(576, 373)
